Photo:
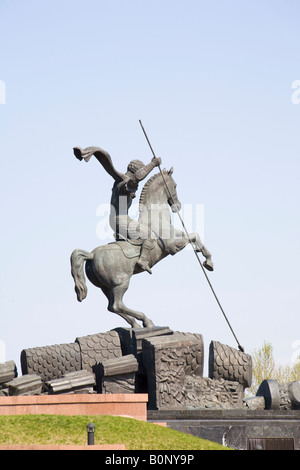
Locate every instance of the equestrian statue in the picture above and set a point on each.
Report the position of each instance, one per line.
(138, 245)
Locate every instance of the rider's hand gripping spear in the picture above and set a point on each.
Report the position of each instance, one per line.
(194, 249)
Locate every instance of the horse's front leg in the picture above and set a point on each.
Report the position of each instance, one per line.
(195, 239)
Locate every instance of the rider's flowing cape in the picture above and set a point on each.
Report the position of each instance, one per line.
(102, 156)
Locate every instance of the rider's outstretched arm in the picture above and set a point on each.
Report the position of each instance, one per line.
(145, 170)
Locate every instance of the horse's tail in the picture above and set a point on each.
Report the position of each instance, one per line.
(78, 257)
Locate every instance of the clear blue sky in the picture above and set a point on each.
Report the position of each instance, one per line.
(212, 83)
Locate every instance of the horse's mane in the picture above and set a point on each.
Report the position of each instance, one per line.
(146, 188)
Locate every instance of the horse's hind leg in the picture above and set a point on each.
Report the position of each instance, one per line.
(110, 296)
(117, 305)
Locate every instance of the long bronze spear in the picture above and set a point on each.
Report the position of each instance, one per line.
(194, 249)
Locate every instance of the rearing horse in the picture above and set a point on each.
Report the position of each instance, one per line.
(111, 266)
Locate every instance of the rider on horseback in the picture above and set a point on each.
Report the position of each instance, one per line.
(123, 192)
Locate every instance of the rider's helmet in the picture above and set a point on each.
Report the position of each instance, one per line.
(135, 165)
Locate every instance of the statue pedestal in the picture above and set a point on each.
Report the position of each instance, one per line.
(164, 364)
(130, 405)
(235, 428)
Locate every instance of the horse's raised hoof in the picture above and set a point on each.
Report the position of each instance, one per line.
(209, 265)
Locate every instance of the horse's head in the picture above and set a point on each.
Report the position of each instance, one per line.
(160, 189)
(158, 194)
(173, 200)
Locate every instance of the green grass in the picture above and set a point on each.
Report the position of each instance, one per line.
(136, 435)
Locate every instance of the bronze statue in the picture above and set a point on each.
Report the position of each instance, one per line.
(123, 192)
(139, 244)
